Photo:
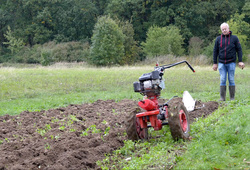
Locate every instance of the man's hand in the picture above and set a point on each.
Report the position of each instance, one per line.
(241, 65)
(215, 66)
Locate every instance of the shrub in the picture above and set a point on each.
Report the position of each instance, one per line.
(68, 51)
(46, 57)
(163, 41)
(242, 29)
(208, 52)
(14, 44)
(51, 52)
(107, 43)
(195, 46)
(132, 50)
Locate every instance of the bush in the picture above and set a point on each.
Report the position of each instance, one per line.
(195, 46)
(132, 51)
(163, 41)
(208, 51)
(14, 44)
(51, 52)
(67, 51)
(107, 43)
(241, 29)
(46, 57)
(26, 55)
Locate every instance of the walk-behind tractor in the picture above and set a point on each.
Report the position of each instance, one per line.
(172, 113)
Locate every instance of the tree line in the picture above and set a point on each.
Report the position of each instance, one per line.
(107, 32)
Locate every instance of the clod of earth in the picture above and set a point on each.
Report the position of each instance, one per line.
(74, 137)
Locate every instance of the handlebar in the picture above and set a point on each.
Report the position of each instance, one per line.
(174, 64)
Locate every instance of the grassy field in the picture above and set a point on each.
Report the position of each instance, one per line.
(221, 141)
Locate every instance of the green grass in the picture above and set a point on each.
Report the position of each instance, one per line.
(223, 143)
(43, 88)
(40, 88)
(220, 141)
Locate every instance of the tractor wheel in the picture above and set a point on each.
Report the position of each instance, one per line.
(178, 121)
(133, 128)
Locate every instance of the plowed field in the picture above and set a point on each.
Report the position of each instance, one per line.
(73, 137)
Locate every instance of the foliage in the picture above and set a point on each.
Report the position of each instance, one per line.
(66, 52)
(107, 43)
(163, 41)
(41, 21)
(132, 51)
(208, 51)
(195, 46)
(136, 11)
(242, 29)
(46, 57)
(14, 44)
(246, 11)
(51, 52)
(75, 20)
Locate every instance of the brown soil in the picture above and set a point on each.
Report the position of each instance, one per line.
(66, 138)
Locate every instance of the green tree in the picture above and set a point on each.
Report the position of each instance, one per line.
(246, 11)
(135, 11)
(75, 20)
(4, 22)
(107, 43)
(242, 29)
(163, 41)
(14, 44)
(40, 21)
(132, 50)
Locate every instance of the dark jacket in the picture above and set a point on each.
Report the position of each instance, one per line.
(226, 47)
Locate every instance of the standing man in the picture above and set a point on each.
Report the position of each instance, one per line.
(225, 49)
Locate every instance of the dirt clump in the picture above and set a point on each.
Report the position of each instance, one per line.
(72, 137)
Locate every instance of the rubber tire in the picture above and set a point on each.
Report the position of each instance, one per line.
(174, 122)
(131, 127)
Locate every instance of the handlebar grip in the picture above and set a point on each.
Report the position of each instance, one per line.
(190, 66)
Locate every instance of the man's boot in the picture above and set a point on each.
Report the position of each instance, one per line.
(232, 92)
(223, 93)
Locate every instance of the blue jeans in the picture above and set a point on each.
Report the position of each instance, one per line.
(227, 69)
